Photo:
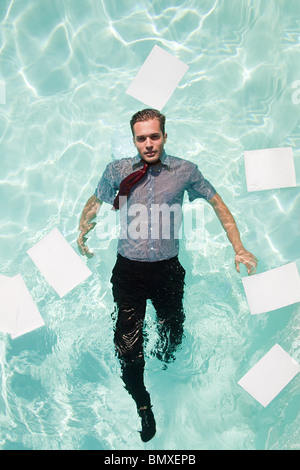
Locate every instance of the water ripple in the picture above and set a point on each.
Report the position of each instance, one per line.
(65, 67)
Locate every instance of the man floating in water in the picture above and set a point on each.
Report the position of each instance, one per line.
(147, 266)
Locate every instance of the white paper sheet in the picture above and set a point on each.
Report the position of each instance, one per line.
(157, 79)
(59, 263)
(272, 289)
(18, 312)
(270, 169)
(29, 317)
(270, 375)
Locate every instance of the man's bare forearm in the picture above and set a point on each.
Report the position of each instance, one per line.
(228, 222)
(89, 212)
(233, 234)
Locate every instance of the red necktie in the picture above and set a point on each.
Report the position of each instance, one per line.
(128, 183)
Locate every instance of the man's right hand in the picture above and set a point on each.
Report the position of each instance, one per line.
(83, 248)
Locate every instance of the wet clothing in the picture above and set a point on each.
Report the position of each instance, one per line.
(163, 184)
(147, 265)
(133, 283)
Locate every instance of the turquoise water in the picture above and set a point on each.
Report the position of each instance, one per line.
(65, 67)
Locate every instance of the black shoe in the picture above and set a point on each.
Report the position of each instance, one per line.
(148, 424)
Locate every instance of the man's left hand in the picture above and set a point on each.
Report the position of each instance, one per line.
(248, 259)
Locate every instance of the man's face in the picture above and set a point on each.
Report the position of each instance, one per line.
(149, 140)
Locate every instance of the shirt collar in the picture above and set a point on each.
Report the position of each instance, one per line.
(138, 161)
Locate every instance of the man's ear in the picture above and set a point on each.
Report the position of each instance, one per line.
(165, 138)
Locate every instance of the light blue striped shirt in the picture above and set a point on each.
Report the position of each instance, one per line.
(163, 184)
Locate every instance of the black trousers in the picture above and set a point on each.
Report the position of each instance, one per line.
(133, 283)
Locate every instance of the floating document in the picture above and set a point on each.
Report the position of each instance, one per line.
(18, 312)
(270, 169)
(272, 289)
(270, 375)
(59, 263)
(157, 78)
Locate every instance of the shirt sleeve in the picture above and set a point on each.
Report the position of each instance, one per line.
(199, 187)
(107, 187)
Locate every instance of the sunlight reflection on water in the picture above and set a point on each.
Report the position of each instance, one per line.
(66, 67)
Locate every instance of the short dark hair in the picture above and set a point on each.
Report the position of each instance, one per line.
(146, 115)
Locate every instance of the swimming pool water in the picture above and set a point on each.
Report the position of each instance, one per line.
(65, 67)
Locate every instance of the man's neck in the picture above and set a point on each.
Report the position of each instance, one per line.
(154, 163)
(158, 162)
